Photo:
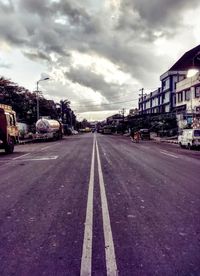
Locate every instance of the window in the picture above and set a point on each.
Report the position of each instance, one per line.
(163, 97)
(197, 133)
(187, 94)
(197, 92)
(165, 84)
(180, 96)
(174, 100)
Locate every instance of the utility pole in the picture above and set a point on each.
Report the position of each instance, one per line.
(38, 108)
(122, 112)
(142, 95)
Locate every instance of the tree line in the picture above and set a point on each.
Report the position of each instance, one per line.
(24, 103)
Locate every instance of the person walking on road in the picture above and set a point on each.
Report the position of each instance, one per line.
(137, 137)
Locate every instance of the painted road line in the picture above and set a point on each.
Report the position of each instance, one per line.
(169, 154)
(111, 265)
(31, 159)
(86, 260)
(49, 146)
(38, 158)
(21, 156)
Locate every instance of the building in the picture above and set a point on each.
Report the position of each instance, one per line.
(150, 104)
(114, 119)
(188, 95)
(133, 112)
(188, 100)
(163, 100)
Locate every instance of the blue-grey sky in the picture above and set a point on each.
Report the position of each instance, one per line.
(96, 53)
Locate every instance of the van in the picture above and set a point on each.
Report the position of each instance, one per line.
(189, 138)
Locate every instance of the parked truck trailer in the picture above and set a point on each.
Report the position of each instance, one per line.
(9, 133)
(48, 129)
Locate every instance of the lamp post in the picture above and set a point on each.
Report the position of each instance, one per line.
(38, 108)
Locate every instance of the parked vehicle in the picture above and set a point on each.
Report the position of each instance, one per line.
(9, 133)
(49, 129)
(189, 138)
(107, 130)
(144, 134)
(23, 130)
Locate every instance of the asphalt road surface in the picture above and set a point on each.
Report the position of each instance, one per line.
(99, 205)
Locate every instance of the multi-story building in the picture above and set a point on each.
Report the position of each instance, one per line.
(149, 104)
(188, 100)
(188, 95)
(163, 100)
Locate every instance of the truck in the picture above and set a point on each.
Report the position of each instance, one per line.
(9, 133)
(48, 129)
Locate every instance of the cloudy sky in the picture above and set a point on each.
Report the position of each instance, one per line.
(97, 53)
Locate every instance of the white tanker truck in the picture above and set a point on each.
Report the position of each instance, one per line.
(47, 129)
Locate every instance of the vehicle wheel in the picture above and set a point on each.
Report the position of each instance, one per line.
(180, 145)
(9, 148)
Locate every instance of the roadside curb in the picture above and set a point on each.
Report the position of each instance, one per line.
(166, 141)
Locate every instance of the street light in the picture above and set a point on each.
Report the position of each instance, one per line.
(194, 68)
(38, 108)
(191, 73)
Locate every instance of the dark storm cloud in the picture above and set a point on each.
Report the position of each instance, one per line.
(96, 82)
(154, 15)
(35, 6)
(38, 55)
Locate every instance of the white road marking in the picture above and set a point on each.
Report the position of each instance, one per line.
(49, 146)
(21, 156)
(41, 158)
(169, 154)
(30, 159)
(111, 265)
(86, 260)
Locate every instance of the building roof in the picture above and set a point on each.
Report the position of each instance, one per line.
(190, 59)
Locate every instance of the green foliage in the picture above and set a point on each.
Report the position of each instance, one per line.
(25, 104)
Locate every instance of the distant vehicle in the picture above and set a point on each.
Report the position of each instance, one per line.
(23, 131)
(9, 133)
(144, 134)
(47, 129)
(107, 130)
(74, 132)
(87, 129)
(189, 138)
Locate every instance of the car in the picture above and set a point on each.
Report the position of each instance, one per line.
(144, 134)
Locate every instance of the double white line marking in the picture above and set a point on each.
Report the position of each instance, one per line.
(86, 261)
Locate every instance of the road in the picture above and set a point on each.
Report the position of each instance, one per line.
(99, 205)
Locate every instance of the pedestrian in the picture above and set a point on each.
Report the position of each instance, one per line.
(137, 137)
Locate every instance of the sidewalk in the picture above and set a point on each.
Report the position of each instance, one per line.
(165, 140)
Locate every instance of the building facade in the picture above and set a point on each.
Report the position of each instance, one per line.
(163, 100)
(188, 101)
(149, 104)
(188, 95)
